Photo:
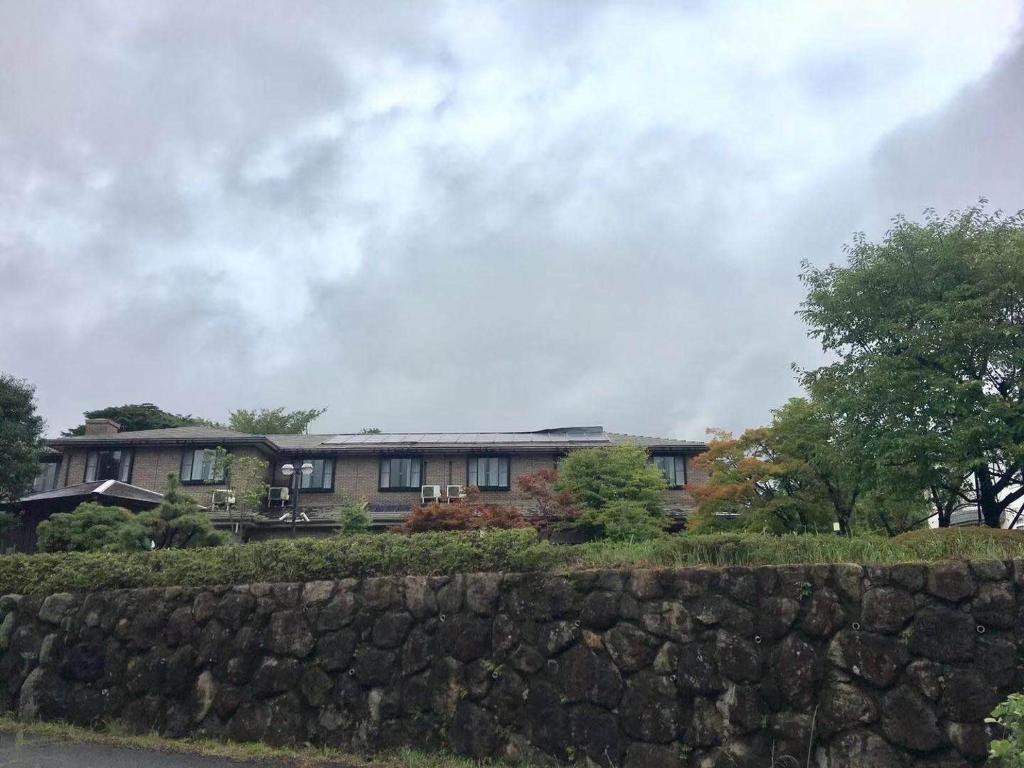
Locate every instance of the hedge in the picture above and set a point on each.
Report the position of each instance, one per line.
(458, 552)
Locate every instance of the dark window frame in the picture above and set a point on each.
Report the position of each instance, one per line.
(297, 463)
(675, 456)
(129, 452)
(508, 471)
(56, 463)
(399, 489)
(181, 467)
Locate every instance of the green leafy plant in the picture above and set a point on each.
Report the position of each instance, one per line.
(92, 527)
(178, 522)
(354, 518)
(597, 477)
(1008, 752)
(139, 416)
(273, 421)
(623, 521)
(21, 430)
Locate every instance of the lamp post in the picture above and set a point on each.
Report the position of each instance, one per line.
(288, 470)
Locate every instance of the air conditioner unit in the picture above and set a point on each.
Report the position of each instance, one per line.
(455, 492)
(430, 493)
(277, 495)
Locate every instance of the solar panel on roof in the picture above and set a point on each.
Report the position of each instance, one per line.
(469, 438)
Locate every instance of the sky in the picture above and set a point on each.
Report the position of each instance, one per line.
(461, 216)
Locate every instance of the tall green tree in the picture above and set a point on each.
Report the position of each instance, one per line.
(273, 421)
(138, 416)
(21, 438)
(927, 331)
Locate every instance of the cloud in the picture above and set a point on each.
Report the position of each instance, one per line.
(462, 216)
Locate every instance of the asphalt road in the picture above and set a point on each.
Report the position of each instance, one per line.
(32, 752)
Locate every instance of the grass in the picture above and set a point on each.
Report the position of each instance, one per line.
(113, 735)
(720, 550)
(496, 550)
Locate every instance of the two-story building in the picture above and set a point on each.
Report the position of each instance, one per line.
(391, 472)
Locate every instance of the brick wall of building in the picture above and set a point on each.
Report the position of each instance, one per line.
(356, 478)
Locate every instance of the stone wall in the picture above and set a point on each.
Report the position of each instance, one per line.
(859, 667)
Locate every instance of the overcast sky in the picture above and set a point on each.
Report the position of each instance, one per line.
(464, 215)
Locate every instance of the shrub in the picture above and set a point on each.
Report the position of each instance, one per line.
(462, 516)
(469, 514)
(178, 522)
(280, 561)
(548, 504)
(1008, 752)
(623, 521)
(354, 518)
(597, 477)
(92, 527)
(438, 517)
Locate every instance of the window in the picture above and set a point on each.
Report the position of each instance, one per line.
(108, 465)
(673, 468)
(200, 466)
(400, 474)
(46, 480)
(322, 478)
(488, 472)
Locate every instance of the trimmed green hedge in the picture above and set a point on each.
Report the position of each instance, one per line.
(277, 561)
(461, 552)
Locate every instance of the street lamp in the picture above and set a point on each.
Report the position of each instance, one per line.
(289, 471)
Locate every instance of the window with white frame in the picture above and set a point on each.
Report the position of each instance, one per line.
(201, 466)
(488, 472)
(673, 468)
(108, 465)
(401, 474)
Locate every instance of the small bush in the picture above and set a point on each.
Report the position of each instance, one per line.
(354, 518)
(623, 521)
(469, 514)
(1008, 752)
(92, 527)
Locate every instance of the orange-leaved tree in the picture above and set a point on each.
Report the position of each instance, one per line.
(752, 485)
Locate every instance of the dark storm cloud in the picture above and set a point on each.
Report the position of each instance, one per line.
(465, 216)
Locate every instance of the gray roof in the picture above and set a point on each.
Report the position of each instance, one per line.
(559, 438)
(619, 438)
(114, 489)
(170, 434)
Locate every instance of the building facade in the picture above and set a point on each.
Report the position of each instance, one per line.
(387, 471)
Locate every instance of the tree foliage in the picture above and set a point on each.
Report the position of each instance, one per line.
(370, 431)
(547, 503)
(354, 518)
(469, 514)
(21, 431)
(178, 522)
(273, 421)
(93, 527)
(596, 477)
(622, 520)
(139, 416)
(797, 475)
(927, 328)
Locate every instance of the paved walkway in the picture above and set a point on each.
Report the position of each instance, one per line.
(33, 752)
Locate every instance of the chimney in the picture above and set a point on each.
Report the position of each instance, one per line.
(101, 427)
